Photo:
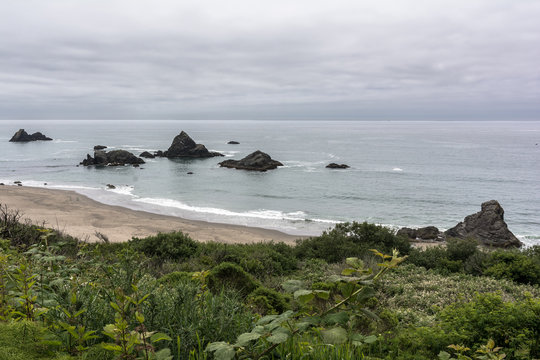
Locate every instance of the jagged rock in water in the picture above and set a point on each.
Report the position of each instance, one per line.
(337, 166)
(23, 136)
(147, 155)
(111, 186)
(424, 233)
(99, 147)
(232, 142)
(487, 226)
(111, 158)
(184, 147)
(257, 161)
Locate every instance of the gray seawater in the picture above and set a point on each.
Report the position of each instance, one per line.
(402, 173)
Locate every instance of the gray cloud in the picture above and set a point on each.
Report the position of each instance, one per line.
(258, 59)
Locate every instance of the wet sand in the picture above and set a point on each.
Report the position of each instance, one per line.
(82, 217)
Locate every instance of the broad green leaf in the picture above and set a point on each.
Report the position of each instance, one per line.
(245, 338)
(370, 339)
(221, 350)
(159, 337)
(443, 355)
(291, 286)
(279, 336)
(340, 318)
(348, 271)
(322, 294)
(304, 296)
(355, 262)
(163, 354)
(266, 319)
(370, 314)
(112, 347)
(139, 317)
(337, 335)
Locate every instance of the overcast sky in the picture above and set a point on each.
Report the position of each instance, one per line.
(271, 59)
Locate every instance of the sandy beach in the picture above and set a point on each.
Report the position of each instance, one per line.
(80, 216)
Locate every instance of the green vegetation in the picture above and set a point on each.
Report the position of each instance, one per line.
(329, 297)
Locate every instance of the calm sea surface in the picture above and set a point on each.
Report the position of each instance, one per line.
(402, 173)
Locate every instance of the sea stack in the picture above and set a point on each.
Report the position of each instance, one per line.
(23, 136)
(112, 158)
(183, 146)
(257, 161)
(487, 226)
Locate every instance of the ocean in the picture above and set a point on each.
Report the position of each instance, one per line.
(402, 173)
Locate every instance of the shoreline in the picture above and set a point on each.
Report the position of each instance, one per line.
(79, 216)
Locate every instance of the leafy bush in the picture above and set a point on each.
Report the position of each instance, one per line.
(229, 275)
(515, 325)
(259, 259)
(268, 301)
(513, 265)
(173, 246)
(350, 239)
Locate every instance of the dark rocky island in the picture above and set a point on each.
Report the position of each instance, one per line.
(112, 158)
(232, 142)
(337, 166)
(183, 146)
(486, 226)
(257, 161)
(147, 155)
(23, 136)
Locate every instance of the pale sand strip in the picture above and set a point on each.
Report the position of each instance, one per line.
(80, 216)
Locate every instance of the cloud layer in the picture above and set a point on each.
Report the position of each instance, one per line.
(278, 59)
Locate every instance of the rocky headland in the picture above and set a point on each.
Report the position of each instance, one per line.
(23, 136)
(256, 161)
(486, 226)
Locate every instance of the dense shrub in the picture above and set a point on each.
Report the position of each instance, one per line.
(513, 265)
(513, 325)
(350, 240)
(232, 276)
(173, 246)
(268, 301)
(261, 259)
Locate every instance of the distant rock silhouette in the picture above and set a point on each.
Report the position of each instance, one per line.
(257, 161)
(23, 136)
(99, 147)
(337, 166)
(232, 142)
(147, 155)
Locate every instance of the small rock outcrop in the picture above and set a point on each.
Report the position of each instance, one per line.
(112, 158)
(337, 166)
(184, 147)
(147, 155)
(487, 226)
(257, 161)
(99, 147)
(232, 142)
(23, 136)
(424, 233)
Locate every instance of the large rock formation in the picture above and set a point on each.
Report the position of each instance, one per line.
(184, 147)
(112, 158)
(257, 161)
(23, 136)
(487, 226)
(424, 233)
